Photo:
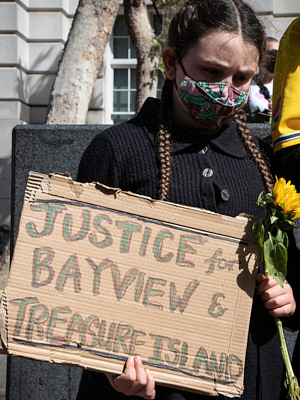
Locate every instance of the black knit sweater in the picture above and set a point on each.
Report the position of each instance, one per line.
(213, 172)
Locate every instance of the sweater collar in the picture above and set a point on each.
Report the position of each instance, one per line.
(227, 141)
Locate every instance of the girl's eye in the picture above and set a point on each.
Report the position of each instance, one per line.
(211, 71)
(242, 78)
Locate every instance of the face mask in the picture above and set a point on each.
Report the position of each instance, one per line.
(210, 103)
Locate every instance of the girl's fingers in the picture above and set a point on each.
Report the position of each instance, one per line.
(123, 382)
(264, 282)
(148, 392)
(135, 380)
(141, 376)
(281, 306)
(279, 301)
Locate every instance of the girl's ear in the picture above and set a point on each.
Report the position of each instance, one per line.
(170, 60)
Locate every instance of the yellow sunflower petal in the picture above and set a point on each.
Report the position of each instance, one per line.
(286, 194)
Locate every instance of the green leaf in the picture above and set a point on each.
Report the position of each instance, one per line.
(285, 241)
(279, 263)
(281, 206)
(290, 216)
(282, 237)
(269, 199)
(268, 248)
(262, 200)
(275, 255)
(279, 235)
(273, 219)
(258, 228)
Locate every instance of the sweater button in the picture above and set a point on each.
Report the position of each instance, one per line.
(204, 150)
(207, 172)
(225, 195)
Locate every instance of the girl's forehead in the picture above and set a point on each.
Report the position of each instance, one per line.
(223, 48)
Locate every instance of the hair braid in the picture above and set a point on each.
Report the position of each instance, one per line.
(240, 123)
(163, 140)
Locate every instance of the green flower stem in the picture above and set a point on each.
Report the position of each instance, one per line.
(293, 387)
(291, 379)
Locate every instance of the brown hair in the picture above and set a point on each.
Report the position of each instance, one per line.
(186, 28)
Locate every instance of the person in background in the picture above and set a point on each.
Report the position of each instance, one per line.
(261, 88)
(285, 126)
(193, 148)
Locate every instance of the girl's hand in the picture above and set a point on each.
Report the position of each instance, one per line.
(134, 381)
(279, 301)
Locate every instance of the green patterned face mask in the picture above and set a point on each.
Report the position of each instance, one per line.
(210, 103)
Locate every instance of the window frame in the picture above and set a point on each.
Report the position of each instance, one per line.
(110, 64)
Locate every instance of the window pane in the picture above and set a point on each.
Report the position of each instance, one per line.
(132, 100)
(132, 78)
(120, 101)
(120, 27)
(132, 50)
(120, 78)
(121, 118)
(120, 48)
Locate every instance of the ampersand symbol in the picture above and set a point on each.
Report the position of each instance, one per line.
(216, 310)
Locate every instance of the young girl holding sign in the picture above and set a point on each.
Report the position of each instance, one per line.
(193, 148)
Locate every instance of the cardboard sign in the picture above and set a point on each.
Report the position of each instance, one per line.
(99, 274)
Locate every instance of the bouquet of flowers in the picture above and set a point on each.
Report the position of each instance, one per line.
(270, 233)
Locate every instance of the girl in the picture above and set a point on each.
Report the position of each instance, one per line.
(194, 148)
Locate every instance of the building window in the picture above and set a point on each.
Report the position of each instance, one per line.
(124, 94)
(124, 72)
(122, 45)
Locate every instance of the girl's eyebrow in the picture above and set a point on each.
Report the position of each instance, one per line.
(215, 64)
(246, 72)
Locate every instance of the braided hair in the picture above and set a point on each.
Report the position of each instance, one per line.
(186, 28)
(163, 139)
(241, 126)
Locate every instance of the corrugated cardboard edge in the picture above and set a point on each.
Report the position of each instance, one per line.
(3, 324)
(36, 182)
(63, 186)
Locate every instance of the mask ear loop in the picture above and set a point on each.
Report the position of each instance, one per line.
(182, 67)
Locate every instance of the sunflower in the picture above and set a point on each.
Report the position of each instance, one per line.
(286, 196)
